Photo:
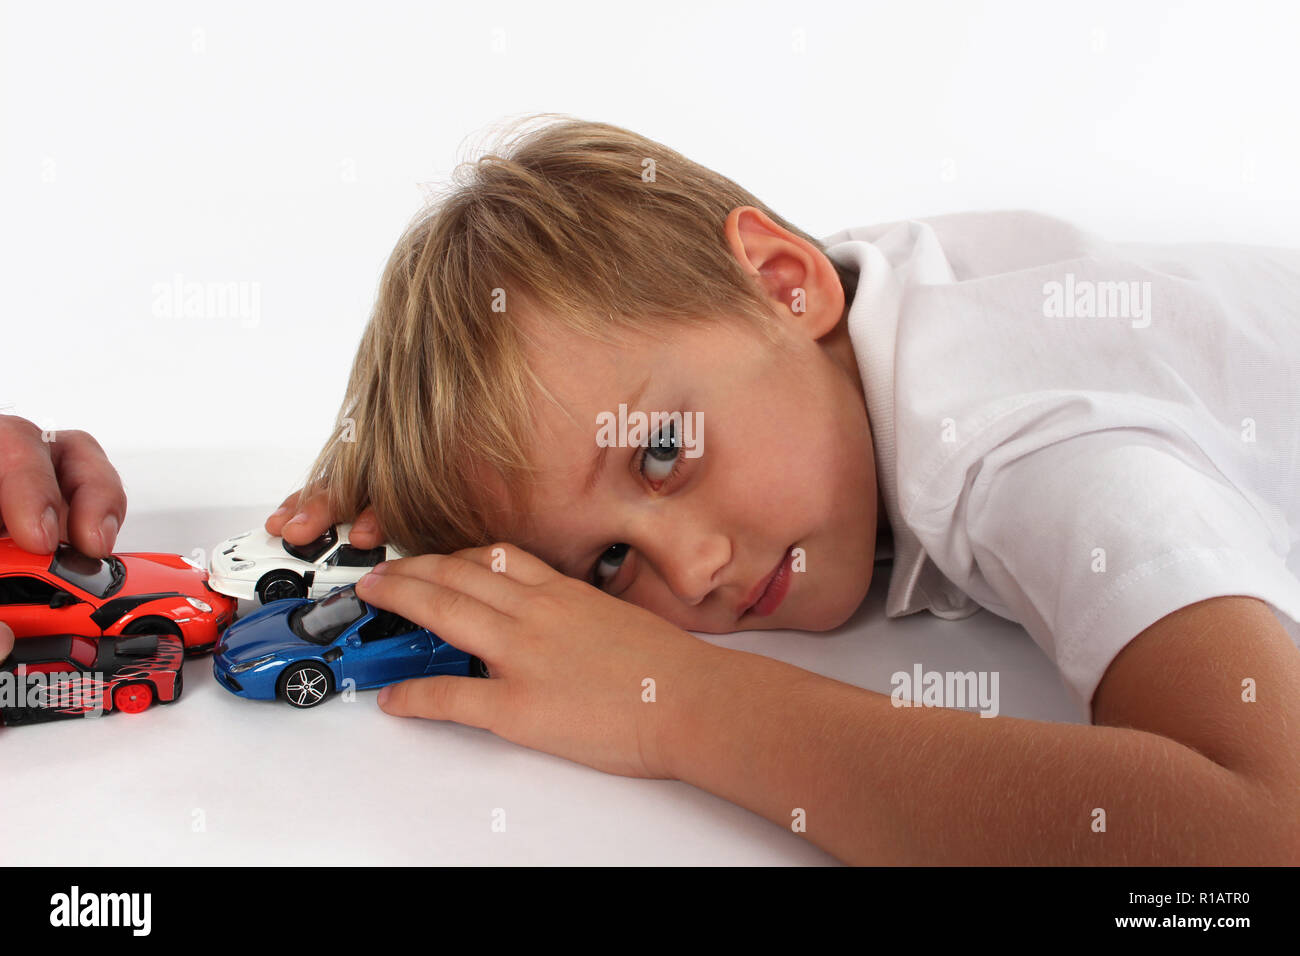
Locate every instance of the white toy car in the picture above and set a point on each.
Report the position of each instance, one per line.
(259, 566)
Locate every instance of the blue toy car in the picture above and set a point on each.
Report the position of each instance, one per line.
(303, 651)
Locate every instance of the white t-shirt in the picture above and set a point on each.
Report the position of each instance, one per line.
(1081, 436)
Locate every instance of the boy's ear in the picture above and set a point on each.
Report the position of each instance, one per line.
(798, 277)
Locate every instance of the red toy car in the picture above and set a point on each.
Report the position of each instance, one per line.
(86, 676)
(69, 593)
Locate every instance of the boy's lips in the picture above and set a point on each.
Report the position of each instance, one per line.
(764, 597)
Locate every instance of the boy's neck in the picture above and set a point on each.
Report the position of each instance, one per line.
(839, 347)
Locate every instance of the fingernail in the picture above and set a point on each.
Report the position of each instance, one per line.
(365, 580)
(108, 533)
(279, 511)
(50, 529)
(298, 518)
(385, 693)
(379, 568)
(365, 523)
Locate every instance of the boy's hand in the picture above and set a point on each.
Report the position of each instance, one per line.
(57, 486)
(305, 522)
(569, 663)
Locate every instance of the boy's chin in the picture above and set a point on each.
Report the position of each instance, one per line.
(823, 621)
(825, 617)
(831, 613)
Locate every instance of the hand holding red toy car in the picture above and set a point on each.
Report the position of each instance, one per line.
(56, 486)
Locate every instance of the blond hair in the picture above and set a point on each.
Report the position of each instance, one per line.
(592, 226)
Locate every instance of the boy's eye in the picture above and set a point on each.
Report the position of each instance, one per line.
(659, 462)
(608, 564)
(660, 457)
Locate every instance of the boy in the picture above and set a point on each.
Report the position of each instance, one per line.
(953, 385)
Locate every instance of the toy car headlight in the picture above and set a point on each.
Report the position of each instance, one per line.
(198, 605)
(241, 565)
(249, 665)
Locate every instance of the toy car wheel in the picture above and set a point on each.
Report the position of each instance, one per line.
(477, 668)
(133, 698)
(280, 585)
(152, 625)
(305, 685)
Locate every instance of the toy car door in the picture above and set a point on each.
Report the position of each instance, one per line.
(386, 648)
(345, 565)
(31, 605)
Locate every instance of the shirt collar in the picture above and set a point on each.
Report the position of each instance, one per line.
(886, 258)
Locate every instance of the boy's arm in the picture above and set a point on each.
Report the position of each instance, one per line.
(1190, 772)
(1185, 770)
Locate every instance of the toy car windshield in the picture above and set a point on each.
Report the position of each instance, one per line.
(98, 576)
(313, 549)
(329, 617)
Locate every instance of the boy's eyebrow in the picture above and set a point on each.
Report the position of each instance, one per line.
(598, 462)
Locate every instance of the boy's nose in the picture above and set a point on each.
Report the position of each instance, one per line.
(690, 559)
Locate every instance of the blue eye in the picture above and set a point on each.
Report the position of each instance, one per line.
(660, 459)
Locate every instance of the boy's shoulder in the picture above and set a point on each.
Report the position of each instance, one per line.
(1076, 434)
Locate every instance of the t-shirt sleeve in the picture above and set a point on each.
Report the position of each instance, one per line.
(1090, 540)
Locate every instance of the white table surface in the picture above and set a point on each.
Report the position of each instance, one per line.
(218, 780)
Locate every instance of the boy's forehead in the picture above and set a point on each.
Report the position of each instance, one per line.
(520, 519)
(578, 368)
(588, 374)
(506, 517)
(578, 382)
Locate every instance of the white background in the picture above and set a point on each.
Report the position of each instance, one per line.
(282, 147)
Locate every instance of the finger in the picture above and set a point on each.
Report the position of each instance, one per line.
(365, 532)
(460, 574)
(311, 519)
(31, 505)
(513, 561)
(93, 490)
(466, 700)
(458, 618)
(6, 641)
(287, 509)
